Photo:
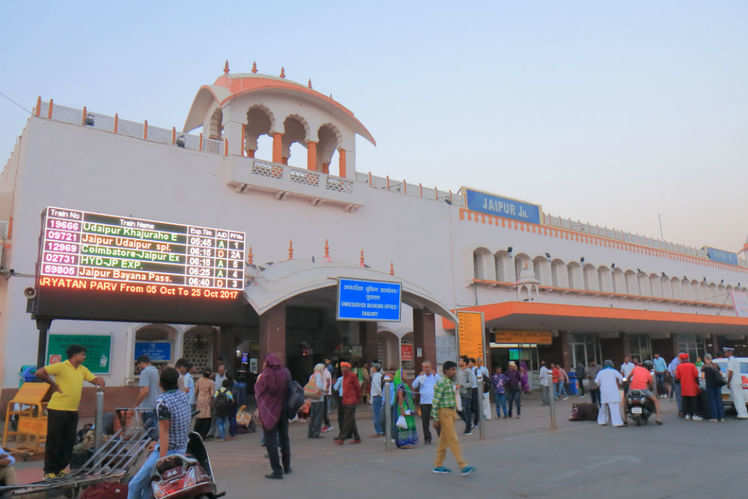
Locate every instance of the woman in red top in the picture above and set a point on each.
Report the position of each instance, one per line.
(688, 376)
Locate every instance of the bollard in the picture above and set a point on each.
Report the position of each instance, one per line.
(387, 413)
(551, 403)
(99, 422)
(481, 420)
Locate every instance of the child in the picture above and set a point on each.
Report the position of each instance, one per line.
(223, 401)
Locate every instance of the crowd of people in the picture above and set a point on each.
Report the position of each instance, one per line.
(173, 400)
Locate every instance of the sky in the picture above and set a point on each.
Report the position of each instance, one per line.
(605, 112)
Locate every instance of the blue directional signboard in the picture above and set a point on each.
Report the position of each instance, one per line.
(157, 351)
(721, 256)
(368, 300)
(491, 204)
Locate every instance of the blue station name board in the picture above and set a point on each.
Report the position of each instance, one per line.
(368, 300)
(722, 256)
(502, 207)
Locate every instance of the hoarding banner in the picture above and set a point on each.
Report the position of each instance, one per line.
(98, 350)
(470, 334)
(536, 337)
(368, 300)
(491, 204)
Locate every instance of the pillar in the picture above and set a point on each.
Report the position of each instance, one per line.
(424, 337)
(716, 352)
(341, 163)
(368, 340)
(563, 337)
(311, 156)
(277, 147)
(326, 168)
(273, 332)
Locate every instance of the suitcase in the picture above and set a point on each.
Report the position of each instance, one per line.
(583, 412)
(105, 490)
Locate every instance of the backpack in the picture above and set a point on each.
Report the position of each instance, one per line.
(222, 403)
(295, 398)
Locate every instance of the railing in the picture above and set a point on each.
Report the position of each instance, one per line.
(135, 129)
(300, 176)
(407, 189)
(566, 223)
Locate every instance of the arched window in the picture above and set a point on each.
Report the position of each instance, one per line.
(591, 280)
(523, 268)
(482, 265)
(503, 266)
(644, 288)
(619, 281)
(632, 283)
(294, 134)
(259, 123)
(605, 281)
(576, 280)
(329, 140)
(655, 285)
(675, 288)
(542, 270)
(559, 274)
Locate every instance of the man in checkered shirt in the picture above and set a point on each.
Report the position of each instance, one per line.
(174, 415)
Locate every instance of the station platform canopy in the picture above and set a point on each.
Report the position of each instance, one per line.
(550, 316)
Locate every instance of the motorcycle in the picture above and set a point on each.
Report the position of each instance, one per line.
(186, 476)
(639, 407)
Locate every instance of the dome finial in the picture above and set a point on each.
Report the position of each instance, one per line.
(309, 83)
(283, 72)
(226, 67)
(254, 66)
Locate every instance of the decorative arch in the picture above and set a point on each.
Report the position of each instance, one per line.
(215, 126)
(157, 332)
(576, 280)
(523, 267)
(632, 283)
(559, 274)
(542, 270)
(482, 264)
(655, 285)
(604, 279)
(388, 350)
(199, 346)
(503, 266)
(591, 279)
(329, 140)
(675, 288)
(619, 281)
(295, 131)
(260, 121)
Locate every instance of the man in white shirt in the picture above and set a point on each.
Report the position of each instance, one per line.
(327, 375)
(609, 380)
(735, 383)
(424, 384)
(375, 393)
(545, 382)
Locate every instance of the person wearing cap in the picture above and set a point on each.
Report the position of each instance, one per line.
(688, 375)
(610, 381)
(149, 390)
(351, 397)
(735, 383)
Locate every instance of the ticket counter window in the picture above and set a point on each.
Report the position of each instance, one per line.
(640, 346)
(693, 345)
(585, 349)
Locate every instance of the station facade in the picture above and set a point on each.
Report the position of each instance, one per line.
(550, 288)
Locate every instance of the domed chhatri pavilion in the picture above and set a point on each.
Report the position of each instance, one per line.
(242, 107)
(273, 163)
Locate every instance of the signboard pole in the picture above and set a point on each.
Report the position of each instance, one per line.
(551, 403)
(387, 413)
(41, 352)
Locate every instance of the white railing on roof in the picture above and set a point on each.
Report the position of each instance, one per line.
(135, 129)
(407, 189)
(618, 235)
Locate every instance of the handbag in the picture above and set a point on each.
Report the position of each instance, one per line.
(312, 391)
(401, 423)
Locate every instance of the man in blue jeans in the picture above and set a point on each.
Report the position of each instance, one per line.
(465, 382)
(376, 400)
(150, 389)
(174, 415)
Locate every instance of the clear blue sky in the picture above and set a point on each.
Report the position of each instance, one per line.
(606, 112)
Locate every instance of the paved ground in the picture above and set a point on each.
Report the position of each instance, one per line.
(519, 458)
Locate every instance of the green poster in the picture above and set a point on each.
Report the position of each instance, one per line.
(98, 350)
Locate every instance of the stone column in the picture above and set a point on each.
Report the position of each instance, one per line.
(273, 332)
(424, 337)
(342, 172)
(311, 155)
(563, 337)
(277, 147)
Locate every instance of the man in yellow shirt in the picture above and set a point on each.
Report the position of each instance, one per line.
(62, 410)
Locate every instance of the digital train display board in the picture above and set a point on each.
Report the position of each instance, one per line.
(108, 267)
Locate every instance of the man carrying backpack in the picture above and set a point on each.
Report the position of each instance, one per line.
(223, 402)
